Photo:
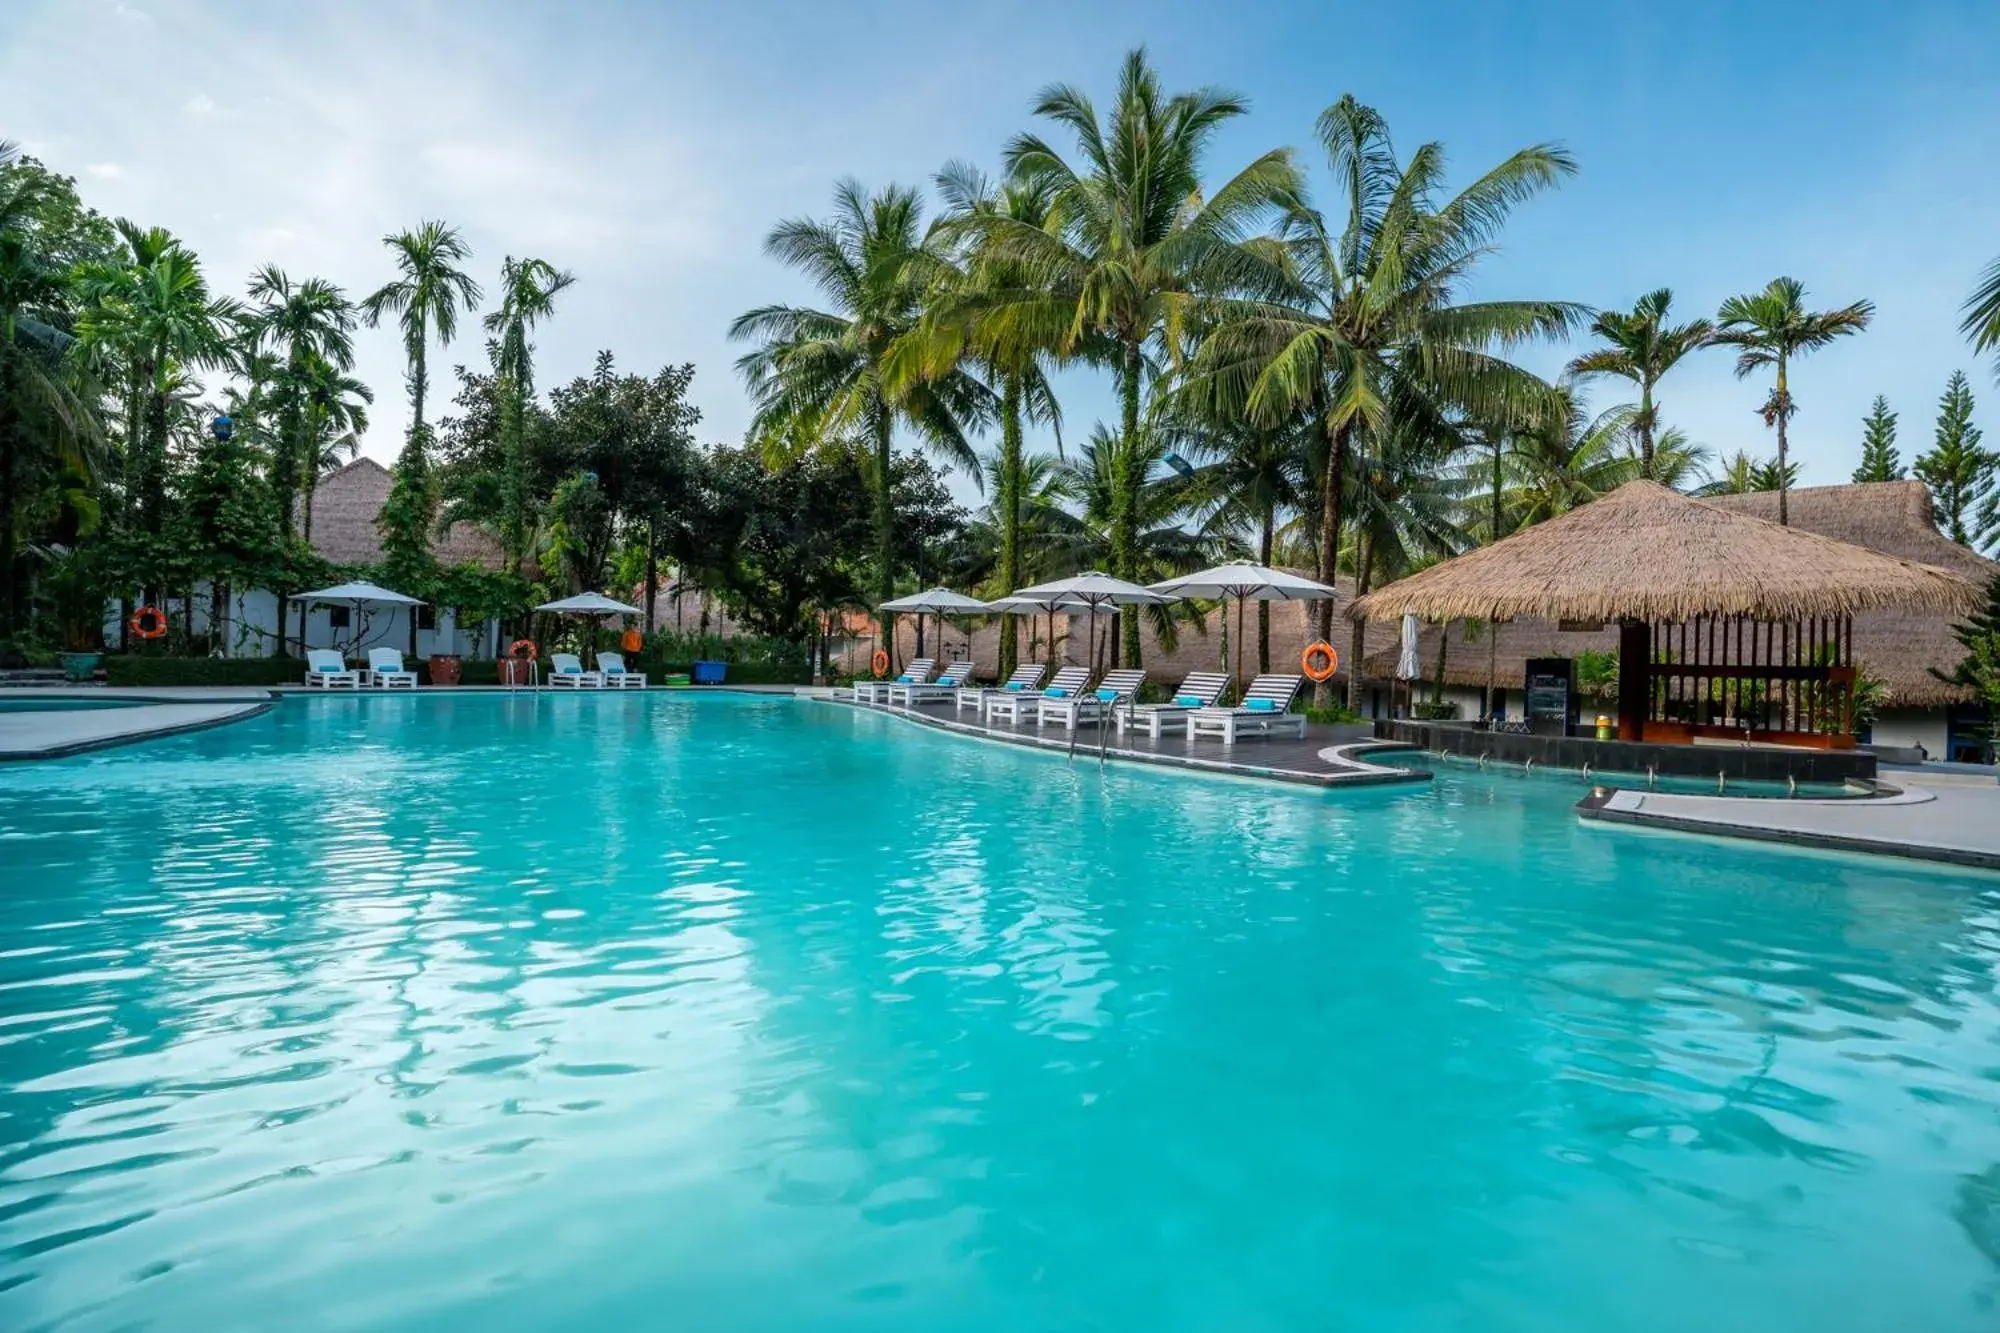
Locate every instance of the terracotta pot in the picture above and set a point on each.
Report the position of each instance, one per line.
(445, 668)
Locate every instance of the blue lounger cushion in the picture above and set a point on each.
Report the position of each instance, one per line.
(1188, 700)
(1108, 696)
(1053, 693)
(1261, 705)
(1015, 686)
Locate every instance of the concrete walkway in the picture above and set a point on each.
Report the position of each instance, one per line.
(51, 733)
(1949, 821)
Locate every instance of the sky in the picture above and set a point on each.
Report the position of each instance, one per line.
(648, 148)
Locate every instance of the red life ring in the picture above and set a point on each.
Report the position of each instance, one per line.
(1319, 660)
(515, 650)
(880, 662)
(149, 622)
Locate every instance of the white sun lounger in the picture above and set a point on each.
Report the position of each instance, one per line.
(943, 687)
(1026, 679)
(326, 670)
(1011, 707)
(1200, 690)
(385, 670)
(611, 666)
(1265, 711)
(567, 670)
(877, 691)
(1090, 706)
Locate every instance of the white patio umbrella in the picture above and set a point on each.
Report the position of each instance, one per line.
(356, 594)
(1091, 591)
(1245, 582)
(592, 604)
(939, 602)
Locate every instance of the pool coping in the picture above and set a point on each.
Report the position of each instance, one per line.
(1616, 806)
(241, 703)
(1357, 772)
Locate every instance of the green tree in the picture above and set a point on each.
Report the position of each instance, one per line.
(228, 525)
(1368, 320)
(1566, 460)
(1135, 241)
(1771, 328)
(1982, 313)
(427, 297)
(528, 288)
(1958, 469)
(336, 419)
(824, 377)
(1642, 347)
(1879, 459)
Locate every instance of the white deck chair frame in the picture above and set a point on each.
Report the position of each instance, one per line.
(1090, 707)
(327, 670)
(944, 687)
(877, 691)
(1011, 707)
(1228, 724)
(566, 670)
(611, 666)
(386, 670)
(1156, 719)
(1027, 677)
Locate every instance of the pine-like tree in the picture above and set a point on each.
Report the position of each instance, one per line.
(1879, 459)
(1959, 472)
(1979, 669)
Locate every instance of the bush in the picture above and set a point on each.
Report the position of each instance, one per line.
(1335, 715)
(1434, 710)
(145, 669)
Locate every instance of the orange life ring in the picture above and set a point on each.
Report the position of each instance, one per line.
(632, 641)
(514, 650)
(880, 662)
(1316, 653)
(149, 622)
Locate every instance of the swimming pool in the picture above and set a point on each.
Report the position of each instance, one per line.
(748, 1013)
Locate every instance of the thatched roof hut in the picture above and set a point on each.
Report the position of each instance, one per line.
(346, 504)
(1645, 552)
(1898, 646)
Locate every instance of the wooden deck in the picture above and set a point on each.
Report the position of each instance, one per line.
(1325, 758)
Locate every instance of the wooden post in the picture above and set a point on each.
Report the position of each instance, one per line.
(1635, 667)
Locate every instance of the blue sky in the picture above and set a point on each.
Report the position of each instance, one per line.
(649, 147)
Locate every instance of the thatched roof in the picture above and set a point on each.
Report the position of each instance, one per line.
(345, 506)
(1899, 647)
(1648, 553)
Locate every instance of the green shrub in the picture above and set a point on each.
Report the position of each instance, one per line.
(1336, 715)
(144, 669)
(1434, 710)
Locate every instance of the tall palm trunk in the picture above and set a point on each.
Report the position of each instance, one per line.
(1265, 542)
(1364, 571)
(1329, 546)
(885, 536)
(1784, 402)
(1127, 479)
(1645, 431)
(1010, 515)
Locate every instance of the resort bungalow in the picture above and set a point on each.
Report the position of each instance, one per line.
(1485, 666)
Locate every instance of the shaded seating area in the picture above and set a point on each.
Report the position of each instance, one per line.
(1730, 627)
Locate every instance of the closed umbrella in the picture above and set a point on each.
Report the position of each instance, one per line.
(1407, 667)
(940, 602)
(594, 605)
(356, 594)
(1091, 591)
(1245, 582)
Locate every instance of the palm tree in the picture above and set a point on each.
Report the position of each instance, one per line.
(823, 378)
(1407, 499)
(1643, 347)
(1741, 474)
(1568, 459)
(1771, 327)
(337, 417)
(528, 288)
(966, 316)
(1982, 313)
(426, 299)
(1131, 243)
(1366, 322)
(312, 322)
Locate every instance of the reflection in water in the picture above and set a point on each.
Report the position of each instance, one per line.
(530, 1013)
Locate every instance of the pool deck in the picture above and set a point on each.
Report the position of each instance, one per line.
(54, 733)
(1327, 757)
(1928, 817)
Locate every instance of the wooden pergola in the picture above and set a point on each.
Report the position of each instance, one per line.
(1728, 625)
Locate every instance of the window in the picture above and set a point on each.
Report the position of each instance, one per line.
(337, 616)
(427, 617)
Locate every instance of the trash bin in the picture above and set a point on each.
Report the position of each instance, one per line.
(709, 673)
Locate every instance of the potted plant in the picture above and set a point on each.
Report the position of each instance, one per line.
(445, 668)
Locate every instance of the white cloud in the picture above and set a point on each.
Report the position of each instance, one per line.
(109, 171)
(200, 107)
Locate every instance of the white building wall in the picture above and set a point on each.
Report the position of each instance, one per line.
(253, 628)
(1911, 727)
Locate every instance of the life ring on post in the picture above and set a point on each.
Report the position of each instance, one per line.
(631, 641)
(1319, 660)
(880, 662)
(523, 650)
(148, 622)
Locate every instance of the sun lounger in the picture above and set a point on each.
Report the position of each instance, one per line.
(566, 670)
(944, 687)
(611, 666)
(1011, 706)
(385, 670)
(1265, 711)
(1089, 707)
(877, 691)
(326, 670)
(1026, 679)
(1200, 690)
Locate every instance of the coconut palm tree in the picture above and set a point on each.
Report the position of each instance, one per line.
(1982, 313)
(1131, 243)
(1567, 459)
(967, 316)
(337, 417)
(823, 377)
(1366, 318)
(312, 323)
(528, 288)
(1642, 347)
(1771, 327)
(426, 299)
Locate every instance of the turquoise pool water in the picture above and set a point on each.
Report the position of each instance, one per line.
(737, 1013)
